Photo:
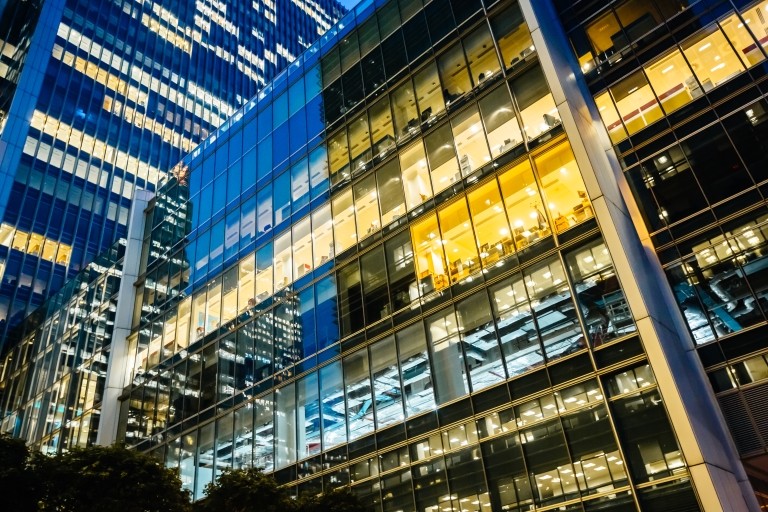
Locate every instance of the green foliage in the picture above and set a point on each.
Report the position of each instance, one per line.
(244, 490)
(17, 482)
(338, 500)
(98, 479)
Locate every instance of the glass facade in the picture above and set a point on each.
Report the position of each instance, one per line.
(113, 95)
(680, 89)
(53, 380)
(385, 272)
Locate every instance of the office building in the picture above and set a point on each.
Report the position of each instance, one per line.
(465, 255)
(101, 98)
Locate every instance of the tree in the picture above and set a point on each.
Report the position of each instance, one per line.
(338, 500)
(114, 479)
(17, 482)
(244, 490)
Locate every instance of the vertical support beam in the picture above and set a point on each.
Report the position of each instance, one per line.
(716, 471)
(117, 367)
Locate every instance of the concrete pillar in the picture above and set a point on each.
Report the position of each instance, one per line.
(118, 371)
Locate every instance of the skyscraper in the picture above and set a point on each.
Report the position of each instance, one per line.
(101, 98)
(461, 255)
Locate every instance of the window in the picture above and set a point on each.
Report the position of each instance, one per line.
(415, 370)
(457, 240)
(453, 73)
(444, 342)
(359, 143)
(512, 35)
(374, 279)
(264, 278)
(302, 247)
(429, 94)
(382, 133)
(322, 235)
(283, 261)
(338, 157)
(366, 207)
(442, 158)
(416, 182)
(388, 394)
(470, 141)
(333, 410)
(492, 234)
(481, 53)
(404, 111)
(430, 262)
(537, 107)
(478, 333)
(517, 332)
(357, 383)
(524, 206)
(344, 232)
(563, 187)
(400, 269)
(501, 126)
(390, 192)
(712, 57)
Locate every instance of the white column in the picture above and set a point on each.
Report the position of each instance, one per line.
(118, 372)
(709, 451)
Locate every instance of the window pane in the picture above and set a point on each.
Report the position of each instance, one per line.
(537, 107)
(563, 187)
(322, 234)
(483, 61)
(308, 416)
(302, 247)
(480, 343)
(711, 57)
(517, 332)
(416, 182)
(390, 192)
(430, 262)
(429, 94)
(344, 221)
(285, 426)
(338, 156)
(333, 409)
(382, 132)
(442, 158)
(366, 207)
(453, 73)
(501, 125)
(386, 383)
(605, 309)
(524, 206)
(357, 381)
(610, 117)
(283, 261)
(636, 102)
(359, 143)
(374, 277)
(444, 342)
(404, 111)
(470, 141)
(263, 436)
(553, 308)
(415, 370)
(751, 52)
(264, 279)
(400, 269)
(457, 240)
(492, 233)
(512, 35)
(672, 80)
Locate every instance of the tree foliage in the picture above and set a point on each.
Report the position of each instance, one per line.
(114, 479)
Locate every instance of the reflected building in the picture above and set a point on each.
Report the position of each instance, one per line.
(468, 255)
(110, 96)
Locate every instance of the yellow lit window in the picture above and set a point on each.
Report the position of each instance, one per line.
(430, 261)
(492, 233)
(524, 206)
(711, 57)
(458, 240)
(563, 187)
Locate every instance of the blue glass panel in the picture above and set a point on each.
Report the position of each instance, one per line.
(233, 181)
(307, 322)
(325, 311)
(282, 198)
(280, 144)
(219, 193)
(265, 158)
(217, 246)
(232, 235)
(248, 221)
(280, 110)
(314, 115)
(298, 128)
